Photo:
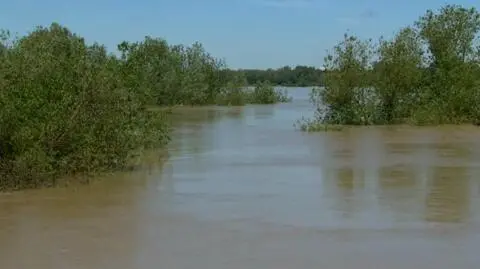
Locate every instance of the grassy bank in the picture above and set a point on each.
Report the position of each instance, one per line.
(429, 73)
(67, 107)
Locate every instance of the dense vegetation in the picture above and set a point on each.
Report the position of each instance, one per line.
(429, 73)
(67, 107)
(300, 76)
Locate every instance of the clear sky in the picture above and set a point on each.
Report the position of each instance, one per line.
(247, 33)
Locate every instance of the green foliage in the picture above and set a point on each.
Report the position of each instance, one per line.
(172, 75)
(265, 93)
(427, 74)
(453, 78)
(313, 125)
(64, 109)
(347, 97)
(398, 77)
(72, 108)
(262, 93)
(168, 75)
(300, 76)
(234, 93)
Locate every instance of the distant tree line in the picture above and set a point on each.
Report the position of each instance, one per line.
(300, 76)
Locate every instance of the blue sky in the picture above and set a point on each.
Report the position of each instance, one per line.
(247, 33)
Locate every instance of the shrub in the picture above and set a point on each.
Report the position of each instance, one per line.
(65, 109)
(265, 93)
(428, 73)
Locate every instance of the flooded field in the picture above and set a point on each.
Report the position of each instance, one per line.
(241, 189)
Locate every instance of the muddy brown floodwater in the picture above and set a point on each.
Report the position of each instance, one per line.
(242, 189)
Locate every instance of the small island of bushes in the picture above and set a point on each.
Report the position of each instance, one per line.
(428, 74)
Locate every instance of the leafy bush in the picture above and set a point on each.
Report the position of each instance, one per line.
(234, 92)
(265, 93)
(65, 109)
(428, 73)
(172, 75)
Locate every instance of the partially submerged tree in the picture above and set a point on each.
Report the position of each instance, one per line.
(65, 109)
(450, 36)
(427, 74)
(398, 76)
(346, 96)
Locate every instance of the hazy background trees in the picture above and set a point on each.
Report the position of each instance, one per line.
(300, 76)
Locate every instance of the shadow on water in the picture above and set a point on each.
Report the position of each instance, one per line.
(405, 176)
(242, 189)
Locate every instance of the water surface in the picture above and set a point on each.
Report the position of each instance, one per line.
(242, 189)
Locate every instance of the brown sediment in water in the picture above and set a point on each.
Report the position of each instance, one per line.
(241, 189)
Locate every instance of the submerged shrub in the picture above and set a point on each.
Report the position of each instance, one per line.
(265, 93)
(234, 92)
(347, 97)
(398, 77)
(169, 75)
(262, 93)
(65, 109)
(427, 74)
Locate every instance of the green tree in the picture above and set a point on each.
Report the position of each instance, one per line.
(65, 109)
(427, 74)
(450, 35)
(347, 96)
(398, 76)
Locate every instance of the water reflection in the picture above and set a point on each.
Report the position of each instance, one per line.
(448, 197)
(345, 191)
(401, 175)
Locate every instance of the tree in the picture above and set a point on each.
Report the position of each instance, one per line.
(450, 37)
(398, 75)
(347, 95)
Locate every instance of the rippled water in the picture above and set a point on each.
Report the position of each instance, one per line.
(242, 189)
